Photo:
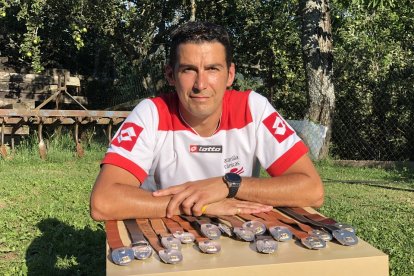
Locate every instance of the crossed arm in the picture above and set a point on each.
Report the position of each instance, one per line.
(117, 194)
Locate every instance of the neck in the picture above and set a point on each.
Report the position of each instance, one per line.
(204, 127)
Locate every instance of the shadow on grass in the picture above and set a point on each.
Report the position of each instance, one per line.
(372, 183)
(64, 250)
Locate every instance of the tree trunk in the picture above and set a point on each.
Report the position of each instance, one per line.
(193, 10)
(318, 63)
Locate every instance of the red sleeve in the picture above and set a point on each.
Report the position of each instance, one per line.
(126, 164)
(286, 160)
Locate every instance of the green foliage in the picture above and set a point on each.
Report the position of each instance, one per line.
(120, 47)
(374, 73)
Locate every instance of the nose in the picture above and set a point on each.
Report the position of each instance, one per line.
(200, 83)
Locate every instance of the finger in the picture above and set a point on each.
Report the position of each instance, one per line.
(196, 209)
(169, 191)
(177, 200)
(189, 202)
(253, 209)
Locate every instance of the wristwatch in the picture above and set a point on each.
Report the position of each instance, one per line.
(233, 181)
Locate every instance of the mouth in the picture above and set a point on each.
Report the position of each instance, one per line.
(199, 98)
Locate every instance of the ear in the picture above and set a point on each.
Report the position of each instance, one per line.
(232, 75)
(169, 75)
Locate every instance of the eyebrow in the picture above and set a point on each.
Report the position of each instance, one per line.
(183, 65)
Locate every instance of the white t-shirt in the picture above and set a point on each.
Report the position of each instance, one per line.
(161, 150)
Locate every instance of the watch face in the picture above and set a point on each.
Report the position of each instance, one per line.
(233, 177)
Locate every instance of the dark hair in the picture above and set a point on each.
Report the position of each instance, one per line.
(198, 32)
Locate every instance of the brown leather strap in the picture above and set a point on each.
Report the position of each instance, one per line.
(190, 219)
(112, 234)
(172, 225)
(248, 217)
(268, 224)
(314, 216)
(297, 233)
(234, 221)
(135, 232)
(158, 227)
(187, 226)
(150, 234)
(290, 221)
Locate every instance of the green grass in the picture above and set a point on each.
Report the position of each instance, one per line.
(380, 204)
(45, 228)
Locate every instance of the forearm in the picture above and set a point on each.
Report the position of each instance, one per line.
(294, 189)
(125, 202)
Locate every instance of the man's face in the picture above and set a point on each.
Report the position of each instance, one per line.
(200, 77)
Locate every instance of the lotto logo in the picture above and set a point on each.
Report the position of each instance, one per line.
(277, 127)
(127, 136)
(206, 149)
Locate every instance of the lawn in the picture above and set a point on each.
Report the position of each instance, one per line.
(45, 228)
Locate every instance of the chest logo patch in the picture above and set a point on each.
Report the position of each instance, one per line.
(127, 136)
(206, 149)
(277, 127)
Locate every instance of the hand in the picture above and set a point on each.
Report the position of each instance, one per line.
(231, 206)
(191, 196)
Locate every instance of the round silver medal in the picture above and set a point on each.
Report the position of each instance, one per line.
(171, 243)
(244, 234)
(326, 236)
(313, 242)
(122, 256)
(346, 227)
(256, 227)
(280, 233)
(345, 237)
(142, 250)
(170, 256)
(210, 231)
(225, 229)
(266, 246)
(184, 237)
(210, 247)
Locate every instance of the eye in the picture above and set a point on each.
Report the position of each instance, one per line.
(188, 70)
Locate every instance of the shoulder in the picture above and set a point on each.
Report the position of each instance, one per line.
(236, 110)
(165, 103)
(166, 107)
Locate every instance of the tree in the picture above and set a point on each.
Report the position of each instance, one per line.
(318, 63)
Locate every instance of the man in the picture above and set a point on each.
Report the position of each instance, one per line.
(195, 150)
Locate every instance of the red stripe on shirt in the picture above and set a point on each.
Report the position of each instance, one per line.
(236, 111)
(126, 164)
(168, 114)
(235, 114)
(286, 160)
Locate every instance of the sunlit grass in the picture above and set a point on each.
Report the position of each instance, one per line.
(45, 228)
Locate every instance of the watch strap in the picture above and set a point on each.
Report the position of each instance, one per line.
(233, 189)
